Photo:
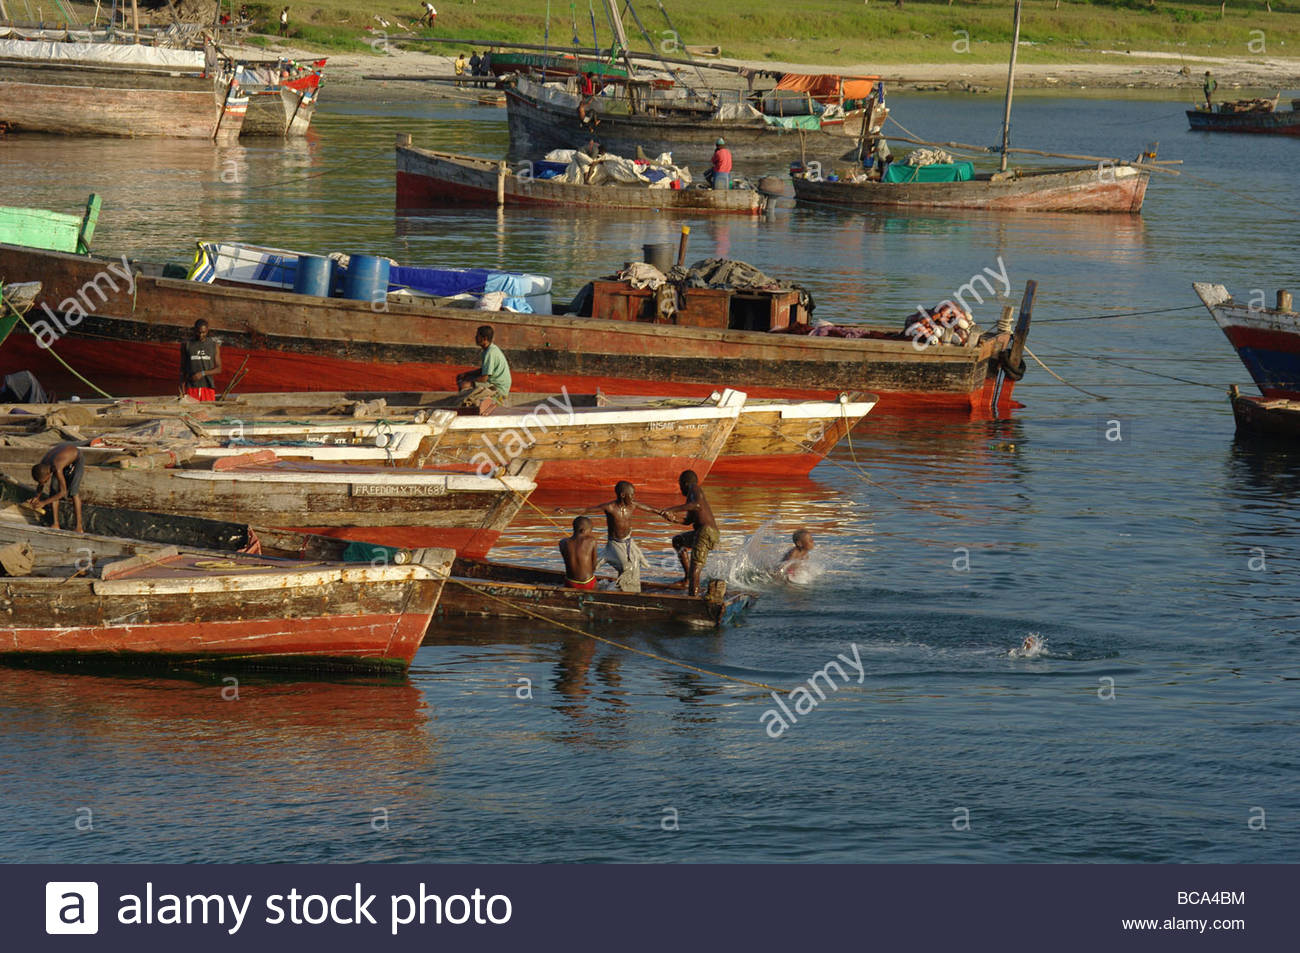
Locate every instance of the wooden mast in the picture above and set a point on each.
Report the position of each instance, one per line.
(1011, 82)
(616, 21)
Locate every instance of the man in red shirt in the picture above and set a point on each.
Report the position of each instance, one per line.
(721, 166)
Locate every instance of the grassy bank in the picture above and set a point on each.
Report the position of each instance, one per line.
(830, 32)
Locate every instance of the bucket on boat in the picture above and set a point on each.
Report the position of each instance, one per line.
(367, 278)
(314, 276)
(659, 254)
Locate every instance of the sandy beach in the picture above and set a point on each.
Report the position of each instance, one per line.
(1122, 70)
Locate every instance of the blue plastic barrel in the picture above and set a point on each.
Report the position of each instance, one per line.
(314, 276)
(367, 279)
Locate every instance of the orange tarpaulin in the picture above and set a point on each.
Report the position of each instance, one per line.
(825, 87)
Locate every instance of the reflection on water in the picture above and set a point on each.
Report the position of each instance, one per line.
(947, 542)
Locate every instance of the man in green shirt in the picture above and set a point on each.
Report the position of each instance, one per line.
(1210, 85)
(491, 379)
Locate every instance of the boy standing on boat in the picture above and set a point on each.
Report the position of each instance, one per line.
(579, 552)
(200, 364)
(720, 166)
(1210, 85)
(65, 466)
(693, 548)
(621, 550)
(491, 379)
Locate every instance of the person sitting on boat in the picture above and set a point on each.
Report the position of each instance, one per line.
(693, 548)
(491, 379)
(65, 466)
(1210, 85)
(719, 174)
(579, 552)
(460, 70)
(200, 364)
(621, 550)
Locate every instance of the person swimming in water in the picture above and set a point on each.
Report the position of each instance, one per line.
(795, 560)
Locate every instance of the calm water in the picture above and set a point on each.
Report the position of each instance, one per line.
(1159, 568)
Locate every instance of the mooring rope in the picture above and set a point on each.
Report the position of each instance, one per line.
(71, 370)
(1062, 379)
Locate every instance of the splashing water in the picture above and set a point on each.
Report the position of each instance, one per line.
(1034, 646)
(758, 563)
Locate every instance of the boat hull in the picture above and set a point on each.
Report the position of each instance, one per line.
(430, 180)
(282, 111)
(1284, 122)
(1266, 417)
(195, 609)
(536, 128)
(1266, 339)
(494, 590)
(80, 101)
(296, 342)
(1114, 189)
(402, 509)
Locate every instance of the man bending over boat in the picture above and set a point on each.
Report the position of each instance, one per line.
(200, 364)
(491, 379)
(621, 550)
(65, 466)
(579, 552)
(693, 548)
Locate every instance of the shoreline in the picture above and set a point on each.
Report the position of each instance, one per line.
(1142, 70)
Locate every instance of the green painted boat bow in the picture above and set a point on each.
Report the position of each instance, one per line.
(53, 231)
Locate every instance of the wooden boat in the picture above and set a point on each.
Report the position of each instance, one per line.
(1265, 416)
(1252, 116)
(282, 109)
(114, 89)
(124, 337)
(1108, 188)
(770, 437)
(55, 231)
(521, 592)
(428, 179)
(638, 114)
(406, 509)
(92, 599)
(1266, 339)
(660, 114)
(579, 447)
